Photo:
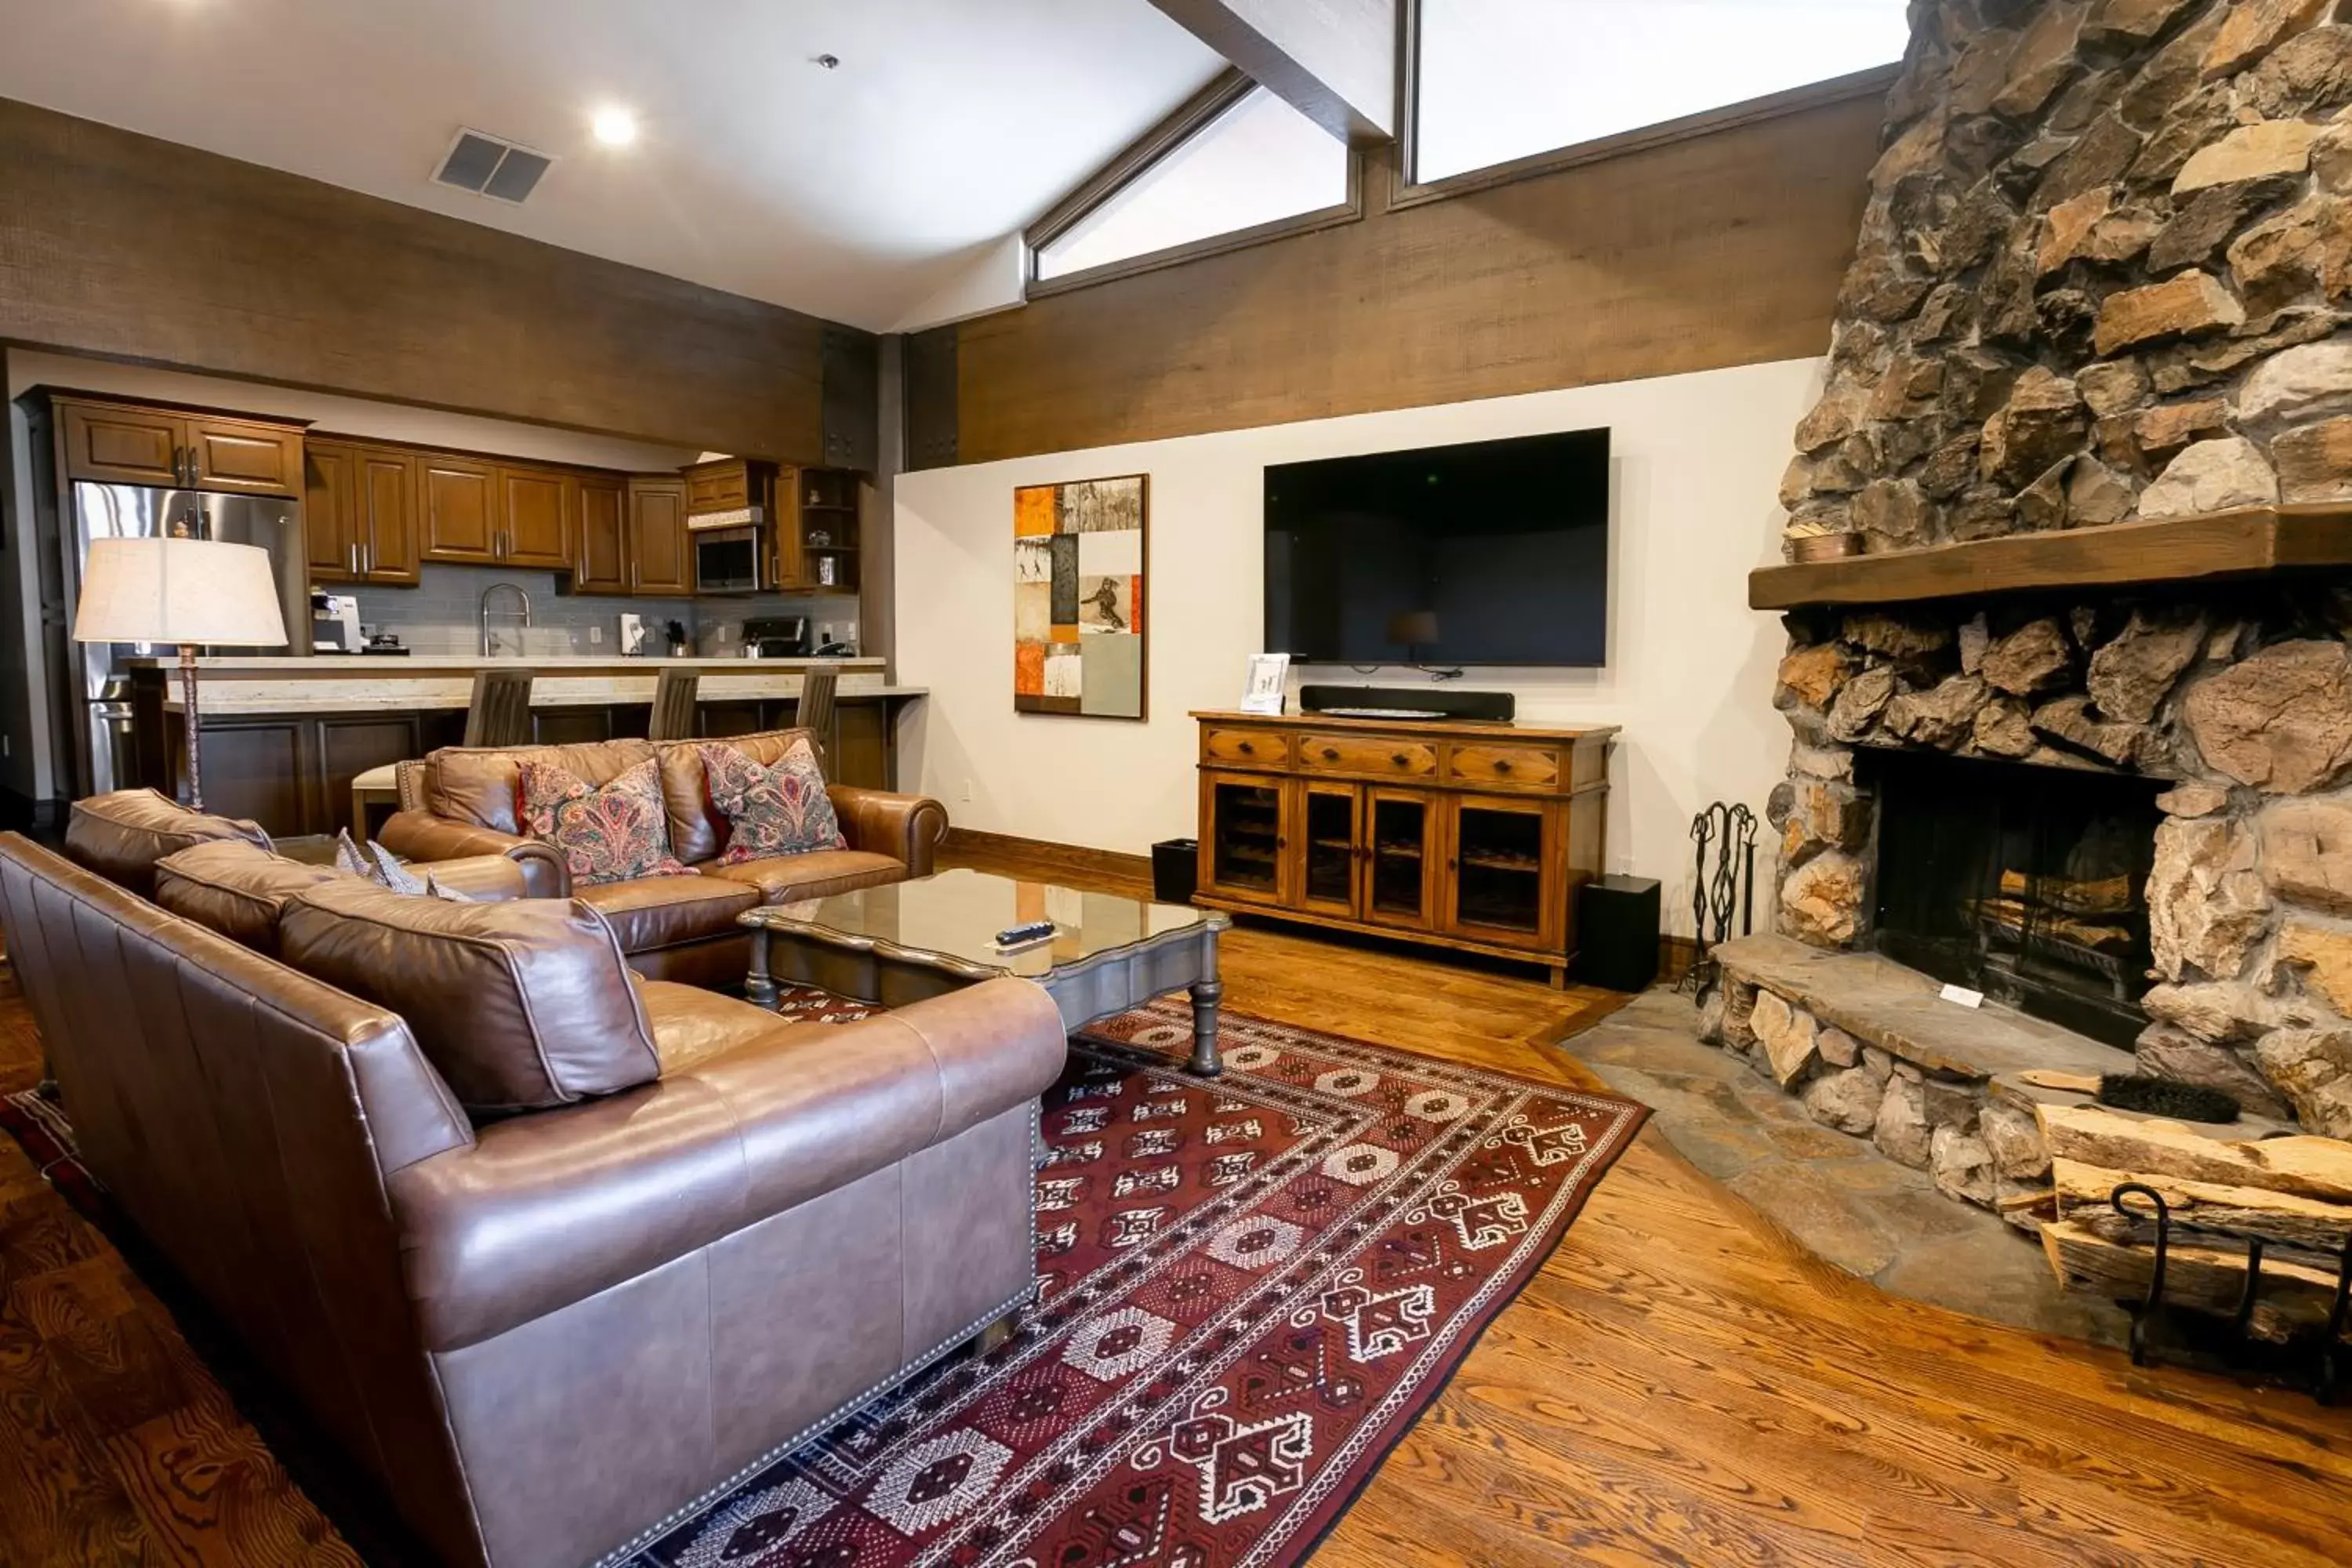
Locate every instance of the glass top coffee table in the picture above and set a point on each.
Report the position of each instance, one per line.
(909, 940)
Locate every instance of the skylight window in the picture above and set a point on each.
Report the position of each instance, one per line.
(1258, 162)
(1504, 79)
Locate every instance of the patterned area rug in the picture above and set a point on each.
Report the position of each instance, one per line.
(1248, 1291)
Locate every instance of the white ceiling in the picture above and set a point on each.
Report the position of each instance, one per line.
(855, 194)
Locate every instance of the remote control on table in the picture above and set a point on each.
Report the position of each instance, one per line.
(1024, 935)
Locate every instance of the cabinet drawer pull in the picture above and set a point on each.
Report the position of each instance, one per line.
(1330, 754)
(1502, 767)
(1399, 759)
(1248, 748)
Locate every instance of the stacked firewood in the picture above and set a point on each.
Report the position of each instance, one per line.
(2294, 1194)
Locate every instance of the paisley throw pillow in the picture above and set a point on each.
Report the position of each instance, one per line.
(615, 832)
(780, 809)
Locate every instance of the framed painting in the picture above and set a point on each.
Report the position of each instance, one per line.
(1079, 632)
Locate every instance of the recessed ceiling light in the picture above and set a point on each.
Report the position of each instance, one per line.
(614, 127)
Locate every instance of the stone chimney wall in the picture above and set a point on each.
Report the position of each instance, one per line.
(2105, 276)
(2104, 264)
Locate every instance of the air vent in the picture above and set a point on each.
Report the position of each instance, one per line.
(489, 167)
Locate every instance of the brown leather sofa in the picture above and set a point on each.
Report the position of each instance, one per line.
(463, 801)
(542, 1332)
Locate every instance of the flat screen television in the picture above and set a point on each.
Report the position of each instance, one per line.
(1489, 553)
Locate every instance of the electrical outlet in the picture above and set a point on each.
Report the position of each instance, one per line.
(595, 636)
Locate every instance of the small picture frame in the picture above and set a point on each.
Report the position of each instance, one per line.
(1262, 691)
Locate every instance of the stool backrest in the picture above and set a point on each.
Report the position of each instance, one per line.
(816, 713)
(499, 713)
(673, 715)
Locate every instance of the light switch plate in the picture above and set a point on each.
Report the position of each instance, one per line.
(595, 636)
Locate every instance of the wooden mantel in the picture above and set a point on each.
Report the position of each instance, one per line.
(2216, 545)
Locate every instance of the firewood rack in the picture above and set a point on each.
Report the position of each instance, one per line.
(2325, 1378)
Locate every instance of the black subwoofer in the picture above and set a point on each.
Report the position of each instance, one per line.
(1617, 932)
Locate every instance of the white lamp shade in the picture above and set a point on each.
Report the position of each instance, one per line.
(184, 591)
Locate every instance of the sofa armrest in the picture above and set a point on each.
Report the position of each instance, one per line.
(420, 835)
(550, 1208)
(485, 879)
(908, 827)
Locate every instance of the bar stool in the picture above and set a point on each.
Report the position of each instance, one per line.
(498, 714)
(816, 711)
(673, 714)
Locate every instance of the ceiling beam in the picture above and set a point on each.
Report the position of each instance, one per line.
(1335, 61)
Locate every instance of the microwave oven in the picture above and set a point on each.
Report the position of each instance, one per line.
(731, 554)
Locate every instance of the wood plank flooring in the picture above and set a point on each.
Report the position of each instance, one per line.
(1681, 1385)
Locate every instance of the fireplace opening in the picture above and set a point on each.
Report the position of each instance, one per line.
(2029, 884)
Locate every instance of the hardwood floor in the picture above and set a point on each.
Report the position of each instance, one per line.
(1681, 1385)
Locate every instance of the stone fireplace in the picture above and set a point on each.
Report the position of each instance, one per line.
(2073, 719)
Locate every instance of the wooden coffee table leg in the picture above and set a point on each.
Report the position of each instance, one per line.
(759, 986)
(1207, 996)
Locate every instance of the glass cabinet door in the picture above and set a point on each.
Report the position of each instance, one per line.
(1498, 852)
(1324, 849)
(1399, 844)
(1241, 836)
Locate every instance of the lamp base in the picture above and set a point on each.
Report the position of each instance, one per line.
(188, 721)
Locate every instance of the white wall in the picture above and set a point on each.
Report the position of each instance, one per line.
(1697, 462)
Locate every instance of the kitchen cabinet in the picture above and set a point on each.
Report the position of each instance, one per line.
(601, 541)
(727, 484)
(661, 560)
(816, 531)
(535, 507)
(144, 444)
(459, 500)
(359, 513)
(1457, 835)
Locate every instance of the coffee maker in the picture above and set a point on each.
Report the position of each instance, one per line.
(334, 622)
(776, 637)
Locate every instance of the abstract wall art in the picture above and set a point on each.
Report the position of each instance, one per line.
(1078, 630)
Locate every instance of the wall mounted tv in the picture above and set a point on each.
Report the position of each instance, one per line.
(1488, 552)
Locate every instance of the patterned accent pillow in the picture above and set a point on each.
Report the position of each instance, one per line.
(615, 832)
(780, 809)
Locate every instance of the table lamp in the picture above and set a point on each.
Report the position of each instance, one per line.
(1415, 629)
(185, 591)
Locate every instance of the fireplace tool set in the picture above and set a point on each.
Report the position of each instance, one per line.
(1729, 831)
(2324, 1377)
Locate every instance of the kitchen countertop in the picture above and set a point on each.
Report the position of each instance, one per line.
(334, 664)
(346, 683)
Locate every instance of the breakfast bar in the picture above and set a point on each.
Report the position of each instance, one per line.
(284, 737)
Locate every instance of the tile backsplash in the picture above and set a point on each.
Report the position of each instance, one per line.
(439, 616)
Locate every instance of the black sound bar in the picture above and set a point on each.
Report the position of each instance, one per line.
(1408, 702)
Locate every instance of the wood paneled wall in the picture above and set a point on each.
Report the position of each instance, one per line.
(125, 247)
(1721, 250)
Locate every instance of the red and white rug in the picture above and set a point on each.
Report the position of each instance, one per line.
(1248, 1291)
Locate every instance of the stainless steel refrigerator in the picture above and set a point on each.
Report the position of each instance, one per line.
(101, 683)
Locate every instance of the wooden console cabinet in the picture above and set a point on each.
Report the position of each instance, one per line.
(1465, 836)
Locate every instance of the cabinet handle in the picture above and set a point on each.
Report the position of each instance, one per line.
(352, 559)
(1247, 749)
(1502, 767)
(1399, 759)
(1331, 754)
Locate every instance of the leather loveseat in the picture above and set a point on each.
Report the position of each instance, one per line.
(461, 801)
(549, 1251)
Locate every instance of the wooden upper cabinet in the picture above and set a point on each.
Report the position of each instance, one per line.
(243, 458)
(116, 445)
(723, 486)
(384, 520)
(138, 444)
(660, 557)
(328, 510)
(536, 506)
(459, 507)
(601, 565)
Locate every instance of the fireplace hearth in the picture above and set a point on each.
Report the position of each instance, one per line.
(2026, 883)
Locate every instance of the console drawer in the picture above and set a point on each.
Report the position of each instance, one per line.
(1505, 767)
(1361, 754)
(1245, 748)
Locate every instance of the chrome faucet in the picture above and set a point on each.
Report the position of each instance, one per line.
(483, 613)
